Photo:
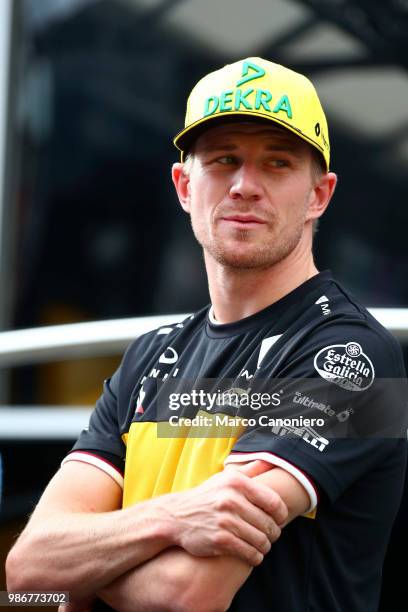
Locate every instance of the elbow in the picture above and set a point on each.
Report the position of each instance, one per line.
(16, 574)
(24, 572)
(11, 571)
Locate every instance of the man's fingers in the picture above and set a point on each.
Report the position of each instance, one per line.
(253, 468)
(263, 497)
(261, 540)
(260, 494)
(258, 518)
(230, 544)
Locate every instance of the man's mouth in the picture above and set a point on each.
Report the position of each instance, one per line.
(243, 221)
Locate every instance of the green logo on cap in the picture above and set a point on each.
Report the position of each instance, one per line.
(237, 100)
(246, 67)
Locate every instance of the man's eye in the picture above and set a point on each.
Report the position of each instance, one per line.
(226, 160)
(278, 163)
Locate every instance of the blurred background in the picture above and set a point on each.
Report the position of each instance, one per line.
(91, 94)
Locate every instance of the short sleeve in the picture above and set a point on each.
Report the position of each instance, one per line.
(348, 377)
(100, 444)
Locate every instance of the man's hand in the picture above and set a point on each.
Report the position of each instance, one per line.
(80, 605)
(228, 514)
(166, 581)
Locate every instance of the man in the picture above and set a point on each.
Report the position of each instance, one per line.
(151, 511)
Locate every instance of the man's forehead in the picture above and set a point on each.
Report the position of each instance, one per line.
(222, 133)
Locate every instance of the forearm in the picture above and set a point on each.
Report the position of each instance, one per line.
(177, 582)
(146, 588)
(82, 552)
(77, 541)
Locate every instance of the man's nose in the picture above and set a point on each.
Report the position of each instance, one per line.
(246, 184)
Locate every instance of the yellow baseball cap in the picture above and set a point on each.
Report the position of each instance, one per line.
(259, 89)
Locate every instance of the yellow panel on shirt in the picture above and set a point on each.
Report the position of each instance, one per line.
(158, 465)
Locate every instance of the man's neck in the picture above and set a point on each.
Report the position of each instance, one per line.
(236, 293)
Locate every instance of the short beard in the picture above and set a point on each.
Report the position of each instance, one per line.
(259, 257)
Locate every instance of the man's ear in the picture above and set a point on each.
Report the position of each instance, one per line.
(321, 195)
(181, 182)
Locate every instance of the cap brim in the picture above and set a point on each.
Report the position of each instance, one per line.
(186, 137)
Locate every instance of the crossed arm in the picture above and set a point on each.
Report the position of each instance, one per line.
(143, 557)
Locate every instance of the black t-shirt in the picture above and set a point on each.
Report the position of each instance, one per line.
(318, 336)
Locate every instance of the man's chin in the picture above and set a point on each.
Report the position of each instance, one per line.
(244, 261)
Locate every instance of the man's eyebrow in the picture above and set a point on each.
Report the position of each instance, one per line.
(284, 146)
(218, 147)
(288, 146)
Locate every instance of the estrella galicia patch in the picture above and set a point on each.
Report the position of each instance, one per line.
(345, 365)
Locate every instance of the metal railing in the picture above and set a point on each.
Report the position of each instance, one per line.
(56, 342)
(28, 346)
(41, 344)
(51, 423)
